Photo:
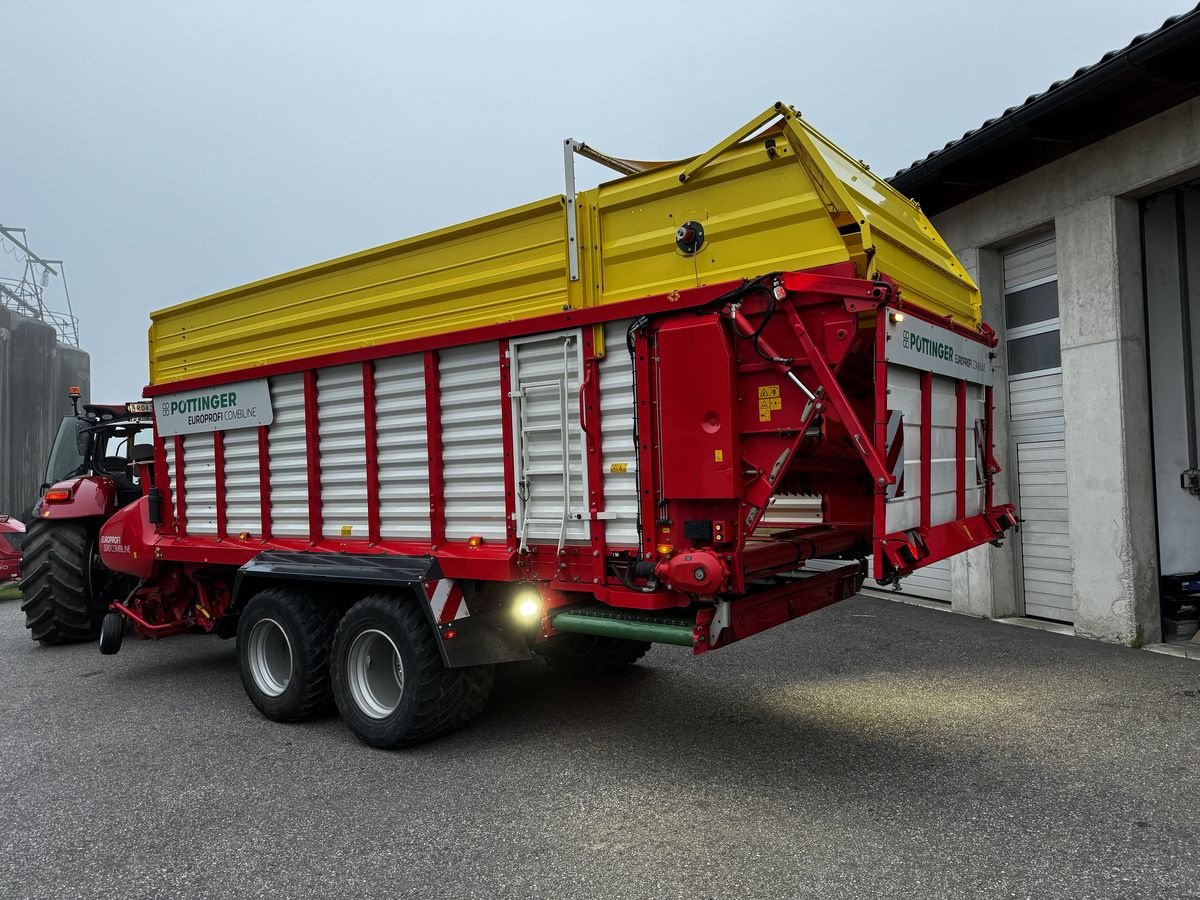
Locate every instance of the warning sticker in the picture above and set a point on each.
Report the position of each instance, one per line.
(768, 401)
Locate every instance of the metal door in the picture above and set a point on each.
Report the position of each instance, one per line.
(1170, 239)
(1037, 438)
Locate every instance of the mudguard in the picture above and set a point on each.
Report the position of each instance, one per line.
(90, 496)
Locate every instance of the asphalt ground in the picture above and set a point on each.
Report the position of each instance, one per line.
(870, 750)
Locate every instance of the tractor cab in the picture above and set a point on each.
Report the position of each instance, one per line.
(109, 440)
(97, 463)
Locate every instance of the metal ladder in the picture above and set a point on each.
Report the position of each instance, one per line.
(557, 387)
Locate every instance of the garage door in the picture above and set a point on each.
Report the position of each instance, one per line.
(1037, 451)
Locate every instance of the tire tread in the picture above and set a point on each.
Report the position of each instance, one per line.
(55, 593)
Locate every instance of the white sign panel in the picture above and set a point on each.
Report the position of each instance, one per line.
(243, 404)
(921, 345)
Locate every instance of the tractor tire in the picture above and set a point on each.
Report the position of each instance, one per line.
(586, 654)
(389, 681)
(59, 587)
(284, 639)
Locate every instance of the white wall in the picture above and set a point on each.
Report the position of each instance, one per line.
(1088, 197)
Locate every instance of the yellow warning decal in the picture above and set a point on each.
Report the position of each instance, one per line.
(768, 401)
(718, 456)
(619, 468)
(346, 530)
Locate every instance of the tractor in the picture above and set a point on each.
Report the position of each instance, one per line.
(95, 468)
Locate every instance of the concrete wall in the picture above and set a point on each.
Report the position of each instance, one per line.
(1089, 198)
(35, 372)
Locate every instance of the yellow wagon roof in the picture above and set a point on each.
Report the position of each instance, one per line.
(774, 195)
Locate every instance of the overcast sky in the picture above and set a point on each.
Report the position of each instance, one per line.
(168, 150)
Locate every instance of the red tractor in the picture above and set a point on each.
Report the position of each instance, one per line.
(93, 471)
(12, 533)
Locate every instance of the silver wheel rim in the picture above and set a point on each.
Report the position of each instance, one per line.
(375, 673)
(270, 657)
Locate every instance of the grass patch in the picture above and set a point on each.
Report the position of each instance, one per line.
(10, 591)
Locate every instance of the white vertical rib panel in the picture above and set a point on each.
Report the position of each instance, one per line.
(200, 483)
(472, 442)
(943, 505)
(243, 504)
(343, 455)
(904, 396)
(288, 458)
(618, 412)
(403, 448)
(169, 451)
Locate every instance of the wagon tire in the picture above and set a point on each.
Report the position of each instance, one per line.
(389, 681)
(590, 655)
(59, 593)
(284, 640)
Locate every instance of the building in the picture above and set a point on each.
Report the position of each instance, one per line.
(36, 369)
(1078, 214)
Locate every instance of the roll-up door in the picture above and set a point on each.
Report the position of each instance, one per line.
(1037, 451)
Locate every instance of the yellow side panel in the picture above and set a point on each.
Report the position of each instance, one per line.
(512, 265)
(907, 246)
(759, 215)
(756, 200)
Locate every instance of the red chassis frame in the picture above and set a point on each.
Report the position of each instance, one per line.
(792, 398)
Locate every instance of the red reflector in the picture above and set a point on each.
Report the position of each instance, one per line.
(56, 495)
(450, 634)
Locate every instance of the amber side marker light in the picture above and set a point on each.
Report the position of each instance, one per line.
(474, 541)
(897, 317)
(57, 495)
(665, 549)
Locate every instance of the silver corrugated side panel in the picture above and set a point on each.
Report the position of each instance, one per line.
(472, 442)
(618, 453)
(200, 483)
(402, 439)
(243, 500)
(288, 458)
(343, 458)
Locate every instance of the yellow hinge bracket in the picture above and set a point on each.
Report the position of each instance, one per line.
(836, 198)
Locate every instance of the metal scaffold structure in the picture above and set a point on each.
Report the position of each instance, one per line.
(25, 281)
